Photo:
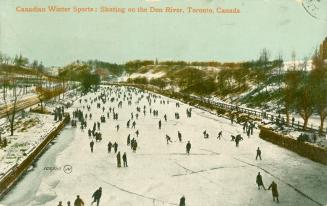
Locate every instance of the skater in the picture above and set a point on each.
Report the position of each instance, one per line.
(115, 147)
(78, 201)
(137, 133)
(188, 147)
(274, 191)
(118, 160)
(238, 138)
(165, 116)
(259, 181)
(134, 146)
(68, 203)
(220, 134)
(179, 136)
(125, 159)
(128, 139)
(96, 196)
(182, 201)
(159, 124)
(92, 145)
(168, 139)
(60, 203)
(258, 154)
(109, 147)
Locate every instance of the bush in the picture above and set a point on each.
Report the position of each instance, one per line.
(303, 138)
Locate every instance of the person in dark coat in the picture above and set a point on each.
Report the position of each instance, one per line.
(258, 154)
(96, 196)
(125, 159)
(92, 145)
(78, 201)
(60, 203)
(109, 147)
(179, 136)
(118, 160)
(168, 139)
(238, 138)
(182, 201)
(68, 203)
(128, 139)
(159, 124)
(134, 146)
(188, 147)
(273, 187)
(115, 147)
(259, 181)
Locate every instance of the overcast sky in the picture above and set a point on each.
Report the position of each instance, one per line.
(57, 39)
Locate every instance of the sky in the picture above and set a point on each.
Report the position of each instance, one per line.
(56, 39)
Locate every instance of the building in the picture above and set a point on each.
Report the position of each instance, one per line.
(323, 49)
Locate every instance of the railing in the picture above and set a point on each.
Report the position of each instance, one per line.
(14, 172)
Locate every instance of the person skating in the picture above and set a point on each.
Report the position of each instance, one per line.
(78, 201)
(258, 154)
(182, 201)
(115, 147)
(220, 134)
(168, 139)
(128, 139)
(96, 196)
(238, 138)
(60, 203)
(92, 145)
(68, 203)
(125, 159)
(109, 147)
(188, 147)
(179, 136)
(259, 181)
(134, 146)
(159, 124)
(273, 187)
(118, 160)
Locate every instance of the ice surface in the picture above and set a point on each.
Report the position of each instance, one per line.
(215, 173)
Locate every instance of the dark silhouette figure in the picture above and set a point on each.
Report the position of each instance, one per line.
(188, 147)
(125, 159)
(109, 147)
(78, 201)
(96, 196)
(115, 147)
(118, 160)
(92, 145)
(273, 187)
(182, 201)
(128, 139)
(179, 136)
(258, 154)
(260, 182)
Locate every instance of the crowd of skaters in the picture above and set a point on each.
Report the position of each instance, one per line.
(120, 96)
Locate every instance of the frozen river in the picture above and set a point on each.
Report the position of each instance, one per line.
(215, 173)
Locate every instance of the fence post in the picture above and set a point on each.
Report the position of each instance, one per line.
(298, 124)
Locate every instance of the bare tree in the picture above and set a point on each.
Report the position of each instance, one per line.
(11, 106)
